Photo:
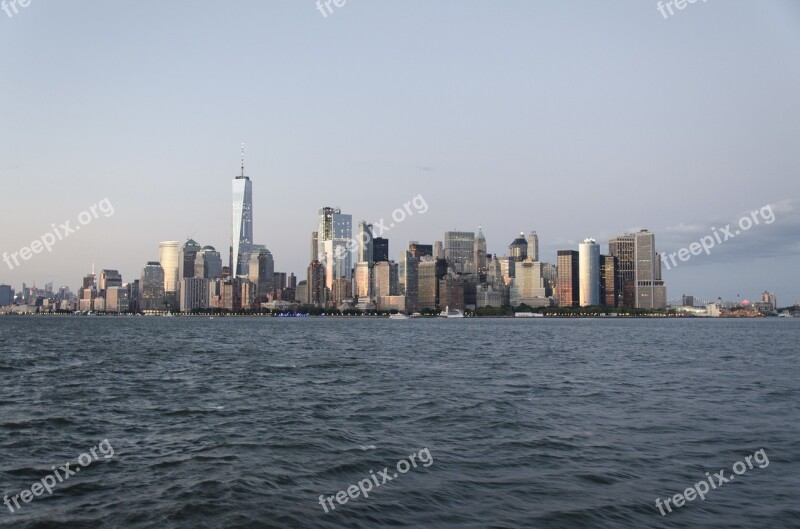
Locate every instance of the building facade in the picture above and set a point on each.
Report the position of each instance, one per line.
(459, 250)
(568, 286)
(589, 273)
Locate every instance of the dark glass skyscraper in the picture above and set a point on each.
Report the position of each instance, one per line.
(568, 278)
(380, 249)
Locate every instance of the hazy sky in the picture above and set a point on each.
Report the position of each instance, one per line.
(577, 119)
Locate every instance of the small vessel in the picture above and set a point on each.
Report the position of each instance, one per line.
(785, 315)
(398, 316)
(455, 313)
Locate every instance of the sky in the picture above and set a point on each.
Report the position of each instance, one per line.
(575, 119)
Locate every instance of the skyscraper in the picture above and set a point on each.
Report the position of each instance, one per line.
(589, 273)
(6, 295)
(187, 258)
(528, 285)
(108, 279)
(429, 272)
(335, 233)
(459, 250)
(410, 279)
(365, 259)
(386, 280)
(194, 293)
(364, 240)
(533, 247)
(608, 281)
(650, 290)
(568, 286)
(314, 246)
(420, 250)
(623, 249)
(208, 263)
(518, 249)
(362, 288)
(169, 257)
(242, 239)
(151, 293)
(316, 290)
(480, 252)
(380, 249)
(438, 250)
(261, 272)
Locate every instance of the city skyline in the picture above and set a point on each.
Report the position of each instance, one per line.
(336, 228)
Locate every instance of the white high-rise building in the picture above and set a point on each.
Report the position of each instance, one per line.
(169, 257)
(334, 236)
(242, 237)
(589, 273)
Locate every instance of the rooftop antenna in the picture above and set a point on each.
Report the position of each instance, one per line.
(242, 159)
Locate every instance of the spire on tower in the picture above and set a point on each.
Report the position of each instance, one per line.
(242, 159)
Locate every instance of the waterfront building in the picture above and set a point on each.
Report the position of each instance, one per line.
(385, 279)
(151, 288)
(527, 286)
(608, 281)
(588, 273)
(567, 285)
(622, 248)
(649, 287)
(169, 258)
(194, 293)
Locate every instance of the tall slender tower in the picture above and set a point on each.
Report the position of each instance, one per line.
(589, 273)
(242, 240)
(480, 252)
(533, 247)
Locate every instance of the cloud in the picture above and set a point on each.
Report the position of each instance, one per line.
(774, 236)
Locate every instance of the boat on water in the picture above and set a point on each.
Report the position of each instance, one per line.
(454, 313)
(398, 316)
(786, 315)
